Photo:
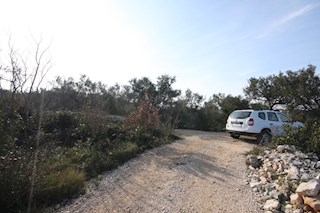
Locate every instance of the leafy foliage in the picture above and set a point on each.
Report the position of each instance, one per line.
(306, 137)
(15, 167)
(298, 90)
(55, 187)
(210, 115)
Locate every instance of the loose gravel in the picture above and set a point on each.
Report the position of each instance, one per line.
(203, 172)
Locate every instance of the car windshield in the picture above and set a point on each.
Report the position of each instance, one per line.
(240, 114)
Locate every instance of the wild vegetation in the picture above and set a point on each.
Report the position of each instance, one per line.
(53, 140)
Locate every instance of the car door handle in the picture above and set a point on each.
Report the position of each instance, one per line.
(271, 124)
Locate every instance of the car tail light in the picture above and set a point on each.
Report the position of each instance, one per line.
(250, 122)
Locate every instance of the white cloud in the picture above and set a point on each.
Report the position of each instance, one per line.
(295, 14)
(277, 24)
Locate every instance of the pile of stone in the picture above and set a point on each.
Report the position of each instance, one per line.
(285, 179)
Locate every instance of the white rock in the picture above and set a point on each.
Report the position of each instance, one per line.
(287, 208)
(255, 184)
(280, 148)
(251, 167)
(266, 152)
(297, 211)
(288, 148)
(297, 163)
(293, 173)
(271, 204)
(280, 169)
(311, 188)
(301, 155)
(263, 180)
(305, 177)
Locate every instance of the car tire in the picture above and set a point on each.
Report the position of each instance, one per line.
(264, 137)
(234, 135)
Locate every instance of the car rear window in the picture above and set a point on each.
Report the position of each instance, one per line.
(240, 114)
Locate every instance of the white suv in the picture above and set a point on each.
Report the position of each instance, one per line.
(262, 124)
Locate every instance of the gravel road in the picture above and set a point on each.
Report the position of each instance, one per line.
(203, 172)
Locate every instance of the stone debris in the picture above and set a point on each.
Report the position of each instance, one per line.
(271, 204)
(310, 188)
(253, 161)
(285, 180)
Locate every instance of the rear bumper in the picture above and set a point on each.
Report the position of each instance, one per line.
(243, 133)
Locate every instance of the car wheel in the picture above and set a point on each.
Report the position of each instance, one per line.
(234, 135)
(264, 137)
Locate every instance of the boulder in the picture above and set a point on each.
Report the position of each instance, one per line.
(310, 188)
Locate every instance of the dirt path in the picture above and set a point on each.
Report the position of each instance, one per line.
(204, 172)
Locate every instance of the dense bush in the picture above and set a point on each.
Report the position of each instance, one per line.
(57, 186)
(305, 137)
(15, 170)
(75, 146)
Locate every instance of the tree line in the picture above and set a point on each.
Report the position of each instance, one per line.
(296, 92)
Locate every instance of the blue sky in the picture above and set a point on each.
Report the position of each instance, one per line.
(210, 46)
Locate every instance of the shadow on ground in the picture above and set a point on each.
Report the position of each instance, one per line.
(251, 140)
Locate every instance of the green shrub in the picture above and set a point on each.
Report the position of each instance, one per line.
(61, 125)
(74, 147)
(58, 186)
(125, 151)
(15, 167)
(99, 162)
(257, 150)
(305, 137)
